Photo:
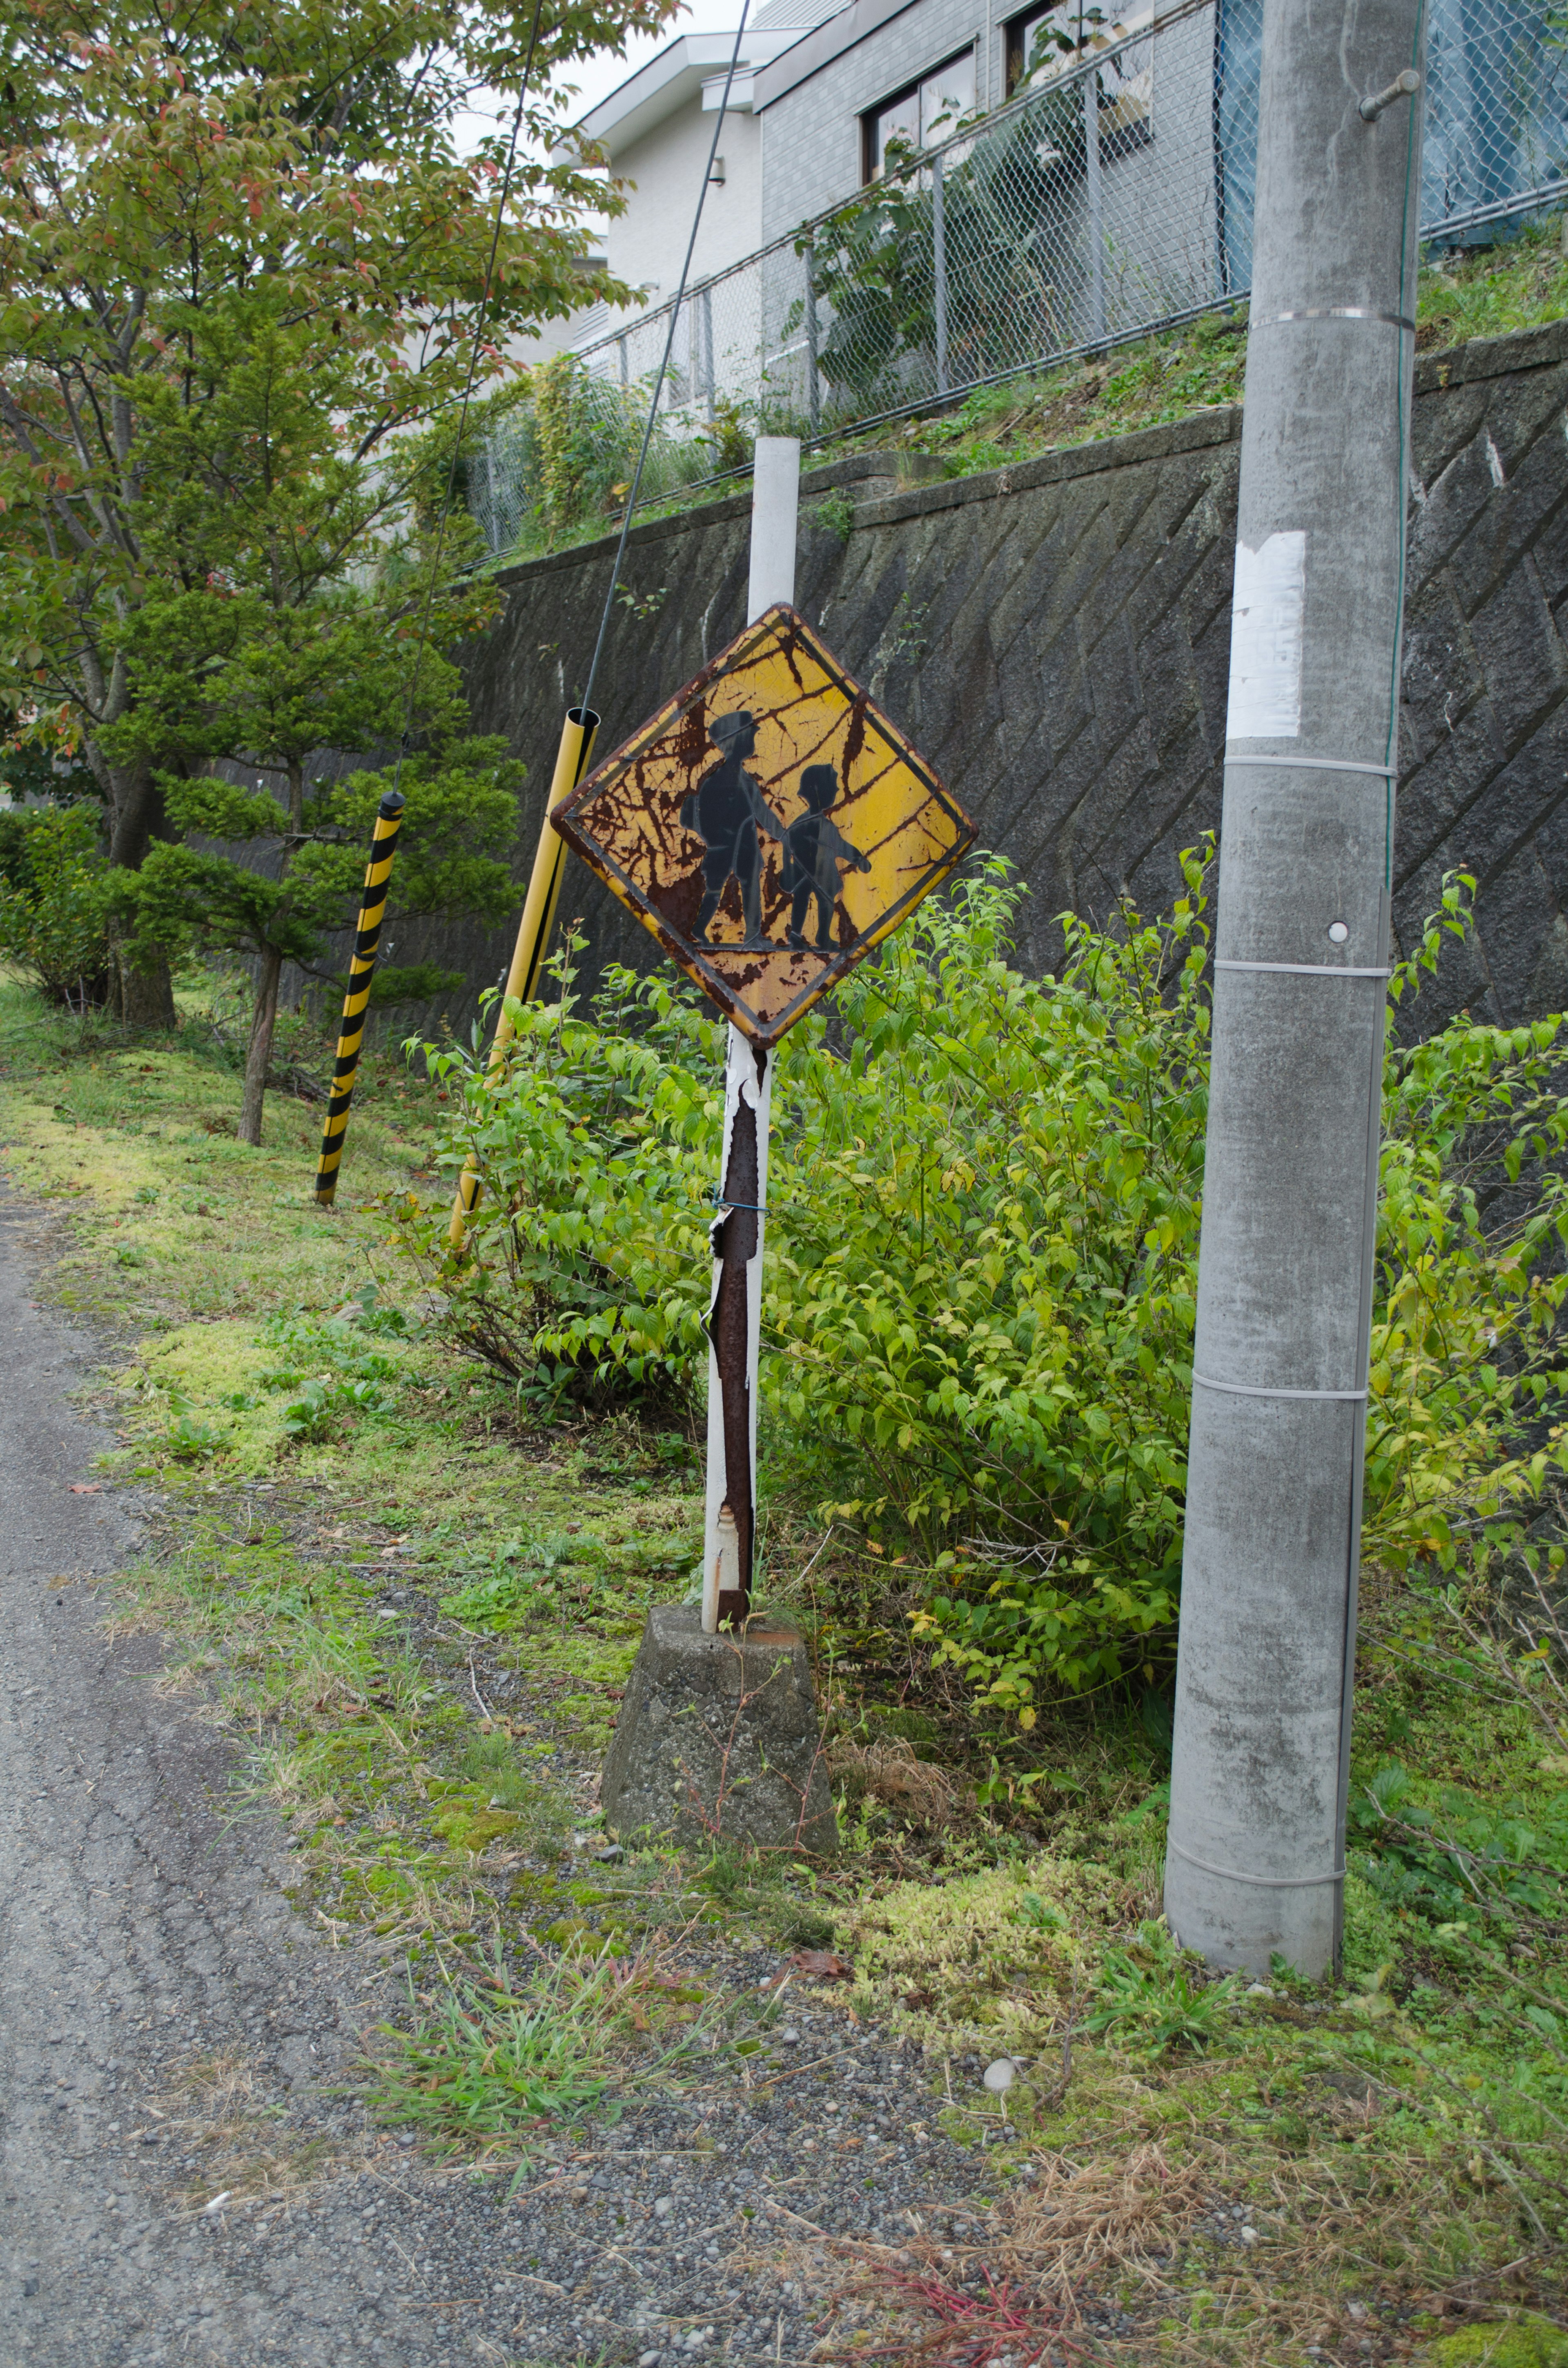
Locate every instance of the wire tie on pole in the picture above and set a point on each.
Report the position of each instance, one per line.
(721, 1201)
(1305, 970)
(1256, 1390)
(1264, 1882)
(1318, 764)
(1343, 313)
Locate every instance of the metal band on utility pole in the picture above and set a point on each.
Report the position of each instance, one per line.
(357, 999)
(1308, 970)
(1259, 1772)
(1317, 765)
(1262, 1881)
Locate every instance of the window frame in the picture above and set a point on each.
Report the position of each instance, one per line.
(872, 115)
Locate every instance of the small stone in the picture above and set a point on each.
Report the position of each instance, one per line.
(999, 2076)
(29, 2286)
(1257, 1989)
(1249, 2236)
(651, 2358)
(663, 2207)
(790, 2036)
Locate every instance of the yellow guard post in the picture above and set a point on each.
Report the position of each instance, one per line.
(533, 929)
(367, 935)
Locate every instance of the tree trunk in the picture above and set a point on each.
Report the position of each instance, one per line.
(140, 998)
(260, 1053)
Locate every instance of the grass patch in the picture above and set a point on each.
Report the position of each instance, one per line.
(414, 1613)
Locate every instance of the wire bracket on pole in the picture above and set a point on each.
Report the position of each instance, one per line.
(1265, 1390)
(1263, 1882)
(1319, 765)
(1404, 86)
(1304, 969)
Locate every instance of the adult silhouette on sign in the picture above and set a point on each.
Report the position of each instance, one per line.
(726, 811)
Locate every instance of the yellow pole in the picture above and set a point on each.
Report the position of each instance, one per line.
(372, 912)
(533, 929)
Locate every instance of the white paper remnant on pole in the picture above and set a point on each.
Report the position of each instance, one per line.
(1267, 614)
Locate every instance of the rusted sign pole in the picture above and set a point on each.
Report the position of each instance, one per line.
(735, 1318)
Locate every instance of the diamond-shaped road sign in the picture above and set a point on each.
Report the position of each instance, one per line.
(769, 826)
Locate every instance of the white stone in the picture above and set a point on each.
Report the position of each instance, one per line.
(1000, 2076)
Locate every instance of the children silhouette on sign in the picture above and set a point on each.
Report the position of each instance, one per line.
(814, 847)
(727, 810)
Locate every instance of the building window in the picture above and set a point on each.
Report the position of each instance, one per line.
(1043, 42)
(926, 111)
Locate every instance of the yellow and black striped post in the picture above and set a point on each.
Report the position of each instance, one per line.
(361, 970)
(533, 929)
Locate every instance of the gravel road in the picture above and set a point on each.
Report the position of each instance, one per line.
(165, 2010)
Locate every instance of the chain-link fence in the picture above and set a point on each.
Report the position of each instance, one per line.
(1112, 196)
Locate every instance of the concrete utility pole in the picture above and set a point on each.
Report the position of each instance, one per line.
(1284, 1294)
(734, 1320)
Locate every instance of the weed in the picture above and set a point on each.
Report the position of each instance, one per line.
(487, 2066)
(1157, 1997)
(192, 1441)
(835, 515)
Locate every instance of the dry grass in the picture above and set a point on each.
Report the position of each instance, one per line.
(217, 2110)
(891, 1773)
(1079, 2223)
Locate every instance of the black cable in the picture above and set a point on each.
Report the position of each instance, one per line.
(587, 699)
(468, 389)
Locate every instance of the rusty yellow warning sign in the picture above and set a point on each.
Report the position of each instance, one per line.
(769, 826)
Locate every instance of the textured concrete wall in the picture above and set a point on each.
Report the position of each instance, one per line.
(1056, 639)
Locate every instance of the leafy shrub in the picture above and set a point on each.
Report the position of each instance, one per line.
(53, 903)
(982, 1252)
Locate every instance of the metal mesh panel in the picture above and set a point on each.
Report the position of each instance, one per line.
(1112, 196)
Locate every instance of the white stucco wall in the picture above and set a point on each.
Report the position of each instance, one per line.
(646, 244)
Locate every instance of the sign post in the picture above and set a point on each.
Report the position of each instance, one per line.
(769, 826)
(734, 1311)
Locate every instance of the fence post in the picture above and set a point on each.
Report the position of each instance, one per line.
(625, 365)
(939, 268)
(814, 389)
(1092, 200)
(706, 302)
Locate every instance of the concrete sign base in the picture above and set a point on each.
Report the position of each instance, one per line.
(718, 1739)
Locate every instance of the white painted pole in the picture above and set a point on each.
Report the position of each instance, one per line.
(728, 1529)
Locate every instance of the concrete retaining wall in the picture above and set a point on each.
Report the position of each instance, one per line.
(1055, 638)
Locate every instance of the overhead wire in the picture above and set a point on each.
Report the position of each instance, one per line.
(475, 349)
(587, 699)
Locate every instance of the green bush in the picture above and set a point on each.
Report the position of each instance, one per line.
(982, 1254)
(54, 901)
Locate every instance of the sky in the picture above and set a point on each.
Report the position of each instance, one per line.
(598, 76)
